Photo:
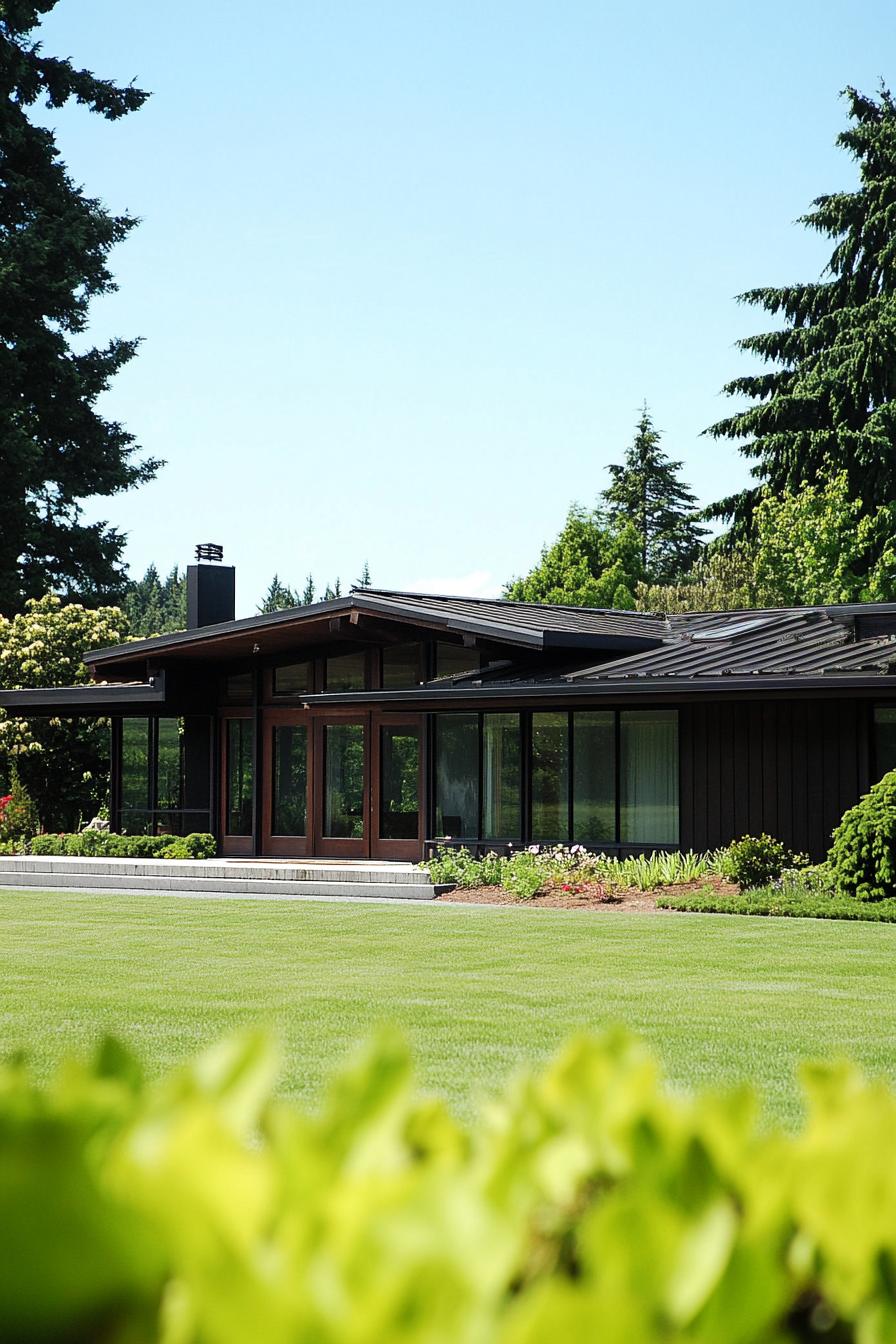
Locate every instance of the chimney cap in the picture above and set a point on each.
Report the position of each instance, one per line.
(209, 550)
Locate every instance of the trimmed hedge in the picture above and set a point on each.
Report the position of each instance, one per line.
(106, 844)
(586, 1203)
(774, 901)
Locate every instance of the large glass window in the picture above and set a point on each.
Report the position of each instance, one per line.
(399, 783)
(457, 775)
(170, 764)
(501, 798)
(594, 777)
(884, 739)
(550, 777)
(344, 780)
(346, 672)
(401, 667)
(240, 775)
(136, 775)
(648, 776)
(290, 782)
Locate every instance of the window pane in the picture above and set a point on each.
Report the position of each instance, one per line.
(501, 814)
(290, 785)
(594, 777)
(170, 764)
(648, 780)
(457, 775)
(238, 686)
(399, 783)
(135, 784)
(294, 679)
(401, 667)
(884, 740)
(453, 660)
(344, 780)
(240, 775)
(550, 777)
(346, 673)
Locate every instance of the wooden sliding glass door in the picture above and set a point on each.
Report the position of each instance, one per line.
(398, 787)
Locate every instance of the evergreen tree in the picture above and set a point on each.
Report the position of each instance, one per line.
(333, 590)
(647, 492)
(828, 397)
(593, 563)
(308, 592)
(277, 597)
(365, 580)
(154, 606)
(55, 449)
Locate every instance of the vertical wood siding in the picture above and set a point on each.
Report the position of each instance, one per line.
(789, 768)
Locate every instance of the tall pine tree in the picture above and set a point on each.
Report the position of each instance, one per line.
(828, 401)
(278, 597)
(647, 492)
(55, 449)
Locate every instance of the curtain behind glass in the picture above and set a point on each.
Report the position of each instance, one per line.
(648, 776)
(501, 794)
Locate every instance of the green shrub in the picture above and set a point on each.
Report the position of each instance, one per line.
(778, 899)
(862, 857)
(110, 845)
(755, 860)
(197, 845)
(588, 1202)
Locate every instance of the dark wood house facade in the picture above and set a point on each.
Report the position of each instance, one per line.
(376, 724)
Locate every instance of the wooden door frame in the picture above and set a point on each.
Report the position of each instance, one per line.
(409, 850)
(232, 844)
(284, 846)
(338, 847)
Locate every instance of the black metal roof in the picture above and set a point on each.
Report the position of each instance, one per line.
(523, 624)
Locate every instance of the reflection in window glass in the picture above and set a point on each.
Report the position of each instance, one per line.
(344, 780)
(648, 776)
(135, 765)
(294, 679)
(240, 775)
(501, 795)
(884, 739)
(550, 777)
(401, 667)
(453, 660)
(346, 673)
(399, 783)
(457, 775)
(594, 777)
(170, 764)
(290, 784)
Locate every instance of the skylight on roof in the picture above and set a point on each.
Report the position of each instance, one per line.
(729, 631)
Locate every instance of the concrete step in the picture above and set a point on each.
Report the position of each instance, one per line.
(290, 879)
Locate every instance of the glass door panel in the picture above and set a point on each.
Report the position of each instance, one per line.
(343, 810)
(399, 783)
(397, 774)
(289, 785)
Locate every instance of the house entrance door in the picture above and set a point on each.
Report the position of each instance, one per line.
(341, 786)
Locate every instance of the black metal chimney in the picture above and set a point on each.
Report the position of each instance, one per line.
(211, 588)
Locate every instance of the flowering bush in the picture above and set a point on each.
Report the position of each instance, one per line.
(18, 815)
(528, 872)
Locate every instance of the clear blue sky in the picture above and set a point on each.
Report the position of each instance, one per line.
(406, 271)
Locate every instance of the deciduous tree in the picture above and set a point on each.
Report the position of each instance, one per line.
(593, 563)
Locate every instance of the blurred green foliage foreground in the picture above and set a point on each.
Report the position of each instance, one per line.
(586, 1203)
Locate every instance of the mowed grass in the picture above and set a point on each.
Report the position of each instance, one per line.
(478, 991)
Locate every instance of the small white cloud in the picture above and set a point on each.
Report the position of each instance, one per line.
(478, 583)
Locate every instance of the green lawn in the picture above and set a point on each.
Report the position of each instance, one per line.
(479, 990)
